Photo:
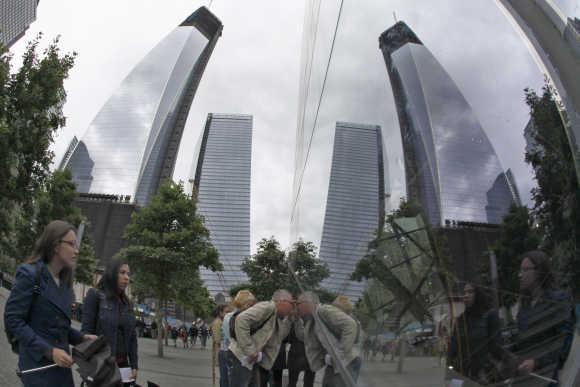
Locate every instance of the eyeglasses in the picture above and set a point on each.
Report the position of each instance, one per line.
(70, 243)
(526, 269)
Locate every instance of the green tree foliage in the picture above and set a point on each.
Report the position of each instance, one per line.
(168, 243)
(31, 101)
(402, 260)
(556, 197)
(271, 269)
(517, 235)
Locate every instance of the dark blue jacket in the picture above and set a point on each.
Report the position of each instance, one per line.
(49, 325)
(103, 315)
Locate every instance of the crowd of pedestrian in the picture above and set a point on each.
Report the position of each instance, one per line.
(257, 341)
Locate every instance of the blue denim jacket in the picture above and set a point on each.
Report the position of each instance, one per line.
(103, 315)
(49, 325)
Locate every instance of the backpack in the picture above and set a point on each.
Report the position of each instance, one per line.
(252, 330)
(35, 293)
(96, 366)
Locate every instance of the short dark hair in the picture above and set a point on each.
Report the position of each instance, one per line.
(44, 248)
(542, 267)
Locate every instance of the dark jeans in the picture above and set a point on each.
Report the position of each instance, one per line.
(241, 376)
(277, 378)
(332, 379)
(224, 370)
(308, 378)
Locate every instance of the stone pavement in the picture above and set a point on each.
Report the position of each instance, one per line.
(192, 367)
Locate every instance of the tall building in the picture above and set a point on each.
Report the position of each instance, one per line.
(354, 205)
(131, 145)
(221, 178)
(15, 18)
(451, 167)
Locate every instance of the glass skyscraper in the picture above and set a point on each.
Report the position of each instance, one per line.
(451, 168)
(221, 178)
(15, 18)
(354, 205)
(132, 144)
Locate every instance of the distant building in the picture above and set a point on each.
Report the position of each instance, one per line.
(451, 167)
(221, 178)
(354, 205)
(15, 18)
(132, 143)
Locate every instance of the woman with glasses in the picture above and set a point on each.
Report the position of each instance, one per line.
(38, 310)
(107, 311)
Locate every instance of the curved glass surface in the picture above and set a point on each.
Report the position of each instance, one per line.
(126, 140)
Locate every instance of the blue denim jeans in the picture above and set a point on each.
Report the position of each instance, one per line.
(224, 369)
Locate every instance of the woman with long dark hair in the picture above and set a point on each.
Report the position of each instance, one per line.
(108, 311)
(38, 310)
(476, 337)
(545, 318)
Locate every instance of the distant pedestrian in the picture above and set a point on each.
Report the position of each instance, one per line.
(193, 333)
(259, 332)
(38, 310)
(174, 335)
(337, 338)
(203, 335)
(108, 312)
(154, 329)
(183, 336)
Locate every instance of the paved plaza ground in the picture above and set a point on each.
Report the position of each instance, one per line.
(192, 367)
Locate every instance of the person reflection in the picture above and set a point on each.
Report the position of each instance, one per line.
(545, 319)
(476, 338)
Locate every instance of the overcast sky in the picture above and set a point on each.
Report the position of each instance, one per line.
(255, 70)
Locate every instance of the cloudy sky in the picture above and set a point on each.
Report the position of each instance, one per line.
(255, 70)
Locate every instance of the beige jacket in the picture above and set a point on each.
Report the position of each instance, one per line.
(267, 339)
(339, 333)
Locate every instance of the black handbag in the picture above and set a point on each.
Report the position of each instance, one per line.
(96, 366)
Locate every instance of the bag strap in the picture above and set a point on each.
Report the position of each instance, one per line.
(35, 289)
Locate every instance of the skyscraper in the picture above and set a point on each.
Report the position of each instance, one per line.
(15, 18)
(354, 205)
(221, 177)
(131, 145)
(451, 167)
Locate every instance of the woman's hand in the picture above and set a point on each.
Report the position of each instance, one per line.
(61, 358)
(90, 337)
(134, 374)
(527, 366)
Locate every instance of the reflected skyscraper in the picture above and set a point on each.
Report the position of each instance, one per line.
(15, 18)
(132, 143)
(451, 167)
(221, 177)
(354, 205)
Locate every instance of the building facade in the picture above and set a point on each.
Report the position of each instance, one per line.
(131, 145)
(354, 204)
(15, 18)
(451, 168)
(221, 179)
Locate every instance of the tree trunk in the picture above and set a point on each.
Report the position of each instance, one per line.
(160, 328)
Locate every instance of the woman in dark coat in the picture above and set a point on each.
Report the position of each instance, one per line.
(40, 317)
(107, 311)
(476, 337)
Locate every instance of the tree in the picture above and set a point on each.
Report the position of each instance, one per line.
(557, 196)
(31, 103)
(271, 269)
(517, 235)
(168, 243)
